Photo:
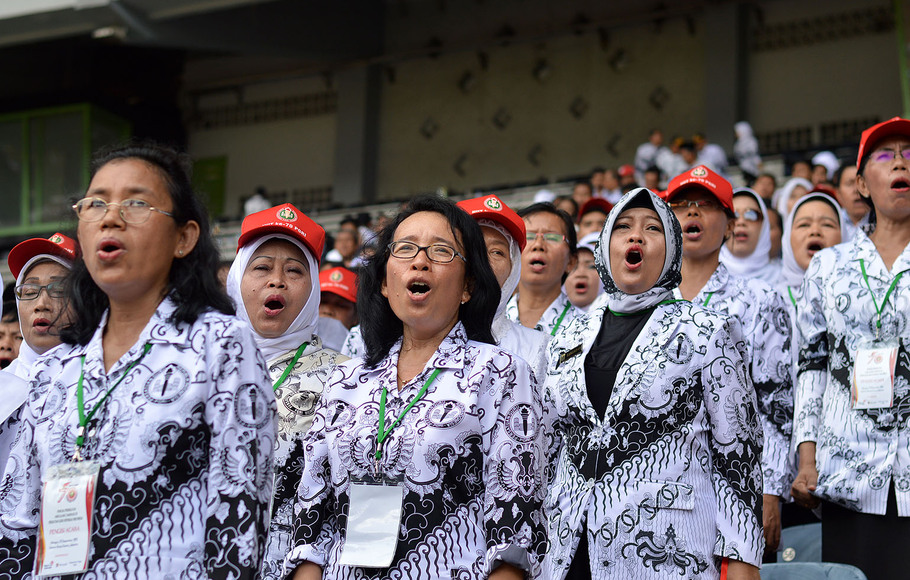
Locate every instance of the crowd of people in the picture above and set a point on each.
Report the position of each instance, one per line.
(635, 381)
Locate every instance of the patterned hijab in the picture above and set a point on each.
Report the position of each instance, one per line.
(670, 275)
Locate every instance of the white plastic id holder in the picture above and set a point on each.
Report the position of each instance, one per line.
(374, 518)
(65, 530)
(872, 383)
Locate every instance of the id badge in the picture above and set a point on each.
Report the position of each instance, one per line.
(374, 518)
(873, 375)
(65, 530)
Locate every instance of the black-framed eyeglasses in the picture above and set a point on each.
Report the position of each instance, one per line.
(439, 253)
(698, 203)
(32, 291)
(549, 237)
(750, 215)
(133, 211)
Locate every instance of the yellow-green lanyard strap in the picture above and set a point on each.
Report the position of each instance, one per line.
(80, 398)
(287, 371)
(559, 320)
(383, 433)
(792, 299)
(878, 323)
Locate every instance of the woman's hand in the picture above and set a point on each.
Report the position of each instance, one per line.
(737, 570)
(807, 477)
(505, 572)
(307, 571)
(771, 522)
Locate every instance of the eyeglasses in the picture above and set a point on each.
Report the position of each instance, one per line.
(439, 253)
(750, 215)
(133, 211)
(32, 291)
(698, 203)
(549, 237)
(885, 155)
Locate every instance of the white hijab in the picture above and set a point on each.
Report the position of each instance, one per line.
(670, 276)
(27, 355)
(755, 265)
(501, 322)
(304, 326)
(782, 195)
(791, 274)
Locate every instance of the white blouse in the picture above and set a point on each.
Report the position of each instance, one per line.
(557, 316)
(184, 445)
(859, 453)
(470, 453)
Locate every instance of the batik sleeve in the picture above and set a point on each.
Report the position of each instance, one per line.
(513, 472)
(736, 444)
(241, 417)
(20, 501)
(813, 354)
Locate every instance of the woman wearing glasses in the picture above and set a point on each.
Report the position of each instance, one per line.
(40, 267)
(703, 203)
(658, 441)
(145, 447)
(853, 389)
(436, 433)
(747, 254)
(546, 261)
(274, 283)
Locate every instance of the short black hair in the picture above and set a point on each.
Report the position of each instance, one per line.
(560, 198)
(379, 326)
(840, 172)
(567, 222)
(193, 280)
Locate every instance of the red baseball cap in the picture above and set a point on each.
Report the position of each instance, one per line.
(283, 219)
(492, 208)
(875, 133)
(626, 170)
(595, 204)
(340, 281)
(702, 178)
(56, 245)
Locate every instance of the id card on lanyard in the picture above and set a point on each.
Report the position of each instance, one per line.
(872, 379)
(375, 502)
(65, 529)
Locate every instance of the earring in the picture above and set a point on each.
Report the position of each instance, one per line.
(179, 252)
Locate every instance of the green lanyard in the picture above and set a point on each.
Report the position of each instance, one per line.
(559, 320)
(878, 323)
(287, 371)
(792, 299)
(383, 432)
(708, 299)
(83, 418)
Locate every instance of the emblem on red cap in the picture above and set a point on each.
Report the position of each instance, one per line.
(287, 214)
(699, 172)
(493, 203)
(56, 238)
(335, 276)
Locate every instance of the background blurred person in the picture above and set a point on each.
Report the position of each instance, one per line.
(432, 391)
(786, 196)
(40, 267)
(582, 192)
(745, 152)
(583, 286)
(777, 232)
(765, 185)
(10, 335)
(593, 216)
(505, 237)
(853, 204)
(567, 204)
(748, 251)
(546, 261)
(337, 306)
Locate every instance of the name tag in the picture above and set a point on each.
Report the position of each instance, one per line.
(64, 534)
(374, 518)
(873, 376)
